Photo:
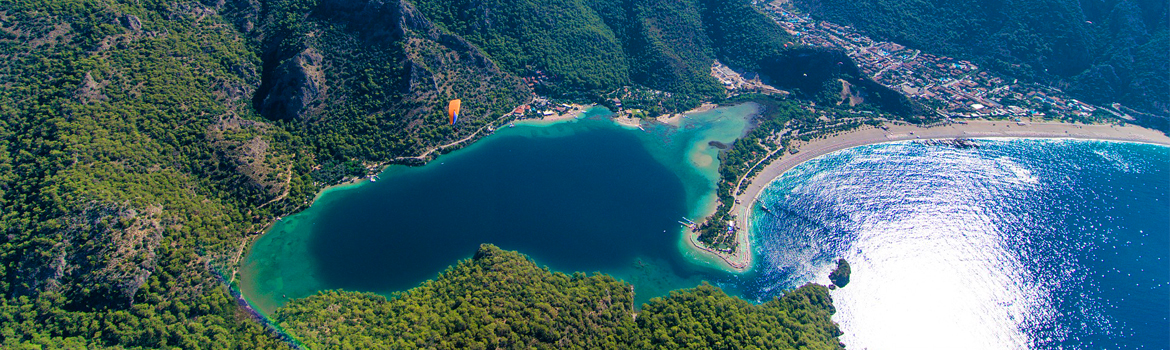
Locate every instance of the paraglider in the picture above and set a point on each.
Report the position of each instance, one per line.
(453, 111)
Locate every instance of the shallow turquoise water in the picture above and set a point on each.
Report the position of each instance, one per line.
(1022, 243)
(586, 196)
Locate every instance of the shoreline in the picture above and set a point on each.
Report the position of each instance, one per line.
(705, 255)
(575, 111)
(627, 122)
(674, 119)
(741, 261)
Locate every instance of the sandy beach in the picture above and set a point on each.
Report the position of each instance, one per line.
(628, 121)
(575, 111)
(674, 119)
(871, 135)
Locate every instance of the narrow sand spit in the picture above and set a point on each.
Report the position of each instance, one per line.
(575, 111)
(674, 119)
(870, 135)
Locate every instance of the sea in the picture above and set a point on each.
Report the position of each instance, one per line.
(1019, 243)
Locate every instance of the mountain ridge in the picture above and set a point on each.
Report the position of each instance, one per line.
(147, 143)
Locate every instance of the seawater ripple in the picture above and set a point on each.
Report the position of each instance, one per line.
(1022, 243)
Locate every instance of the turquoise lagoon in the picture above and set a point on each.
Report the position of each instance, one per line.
(585, 195)
(1021, 243)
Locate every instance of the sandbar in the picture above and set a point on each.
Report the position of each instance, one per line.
(628, 121)
(575, 111)
(674, 119)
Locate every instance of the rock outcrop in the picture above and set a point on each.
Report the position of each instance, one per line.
(433, 65)
(298, 87)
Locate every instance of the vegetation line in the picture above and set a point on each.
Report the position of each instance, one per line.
(423, 156)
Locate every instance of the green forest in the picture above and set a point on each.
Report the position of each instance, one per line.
(146, 143)
(133, 169)
(502, 300)
(588, 47)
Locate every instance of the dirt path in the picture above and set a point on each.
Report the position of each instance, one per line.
(236, 261)
(436, 148)
(287, 182)
(746, 175)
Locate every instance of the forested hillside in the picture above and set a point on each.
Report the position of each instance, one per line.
(563, 37)
(500, 299)
(1100, 51)
(134, 168)
(590, 45)
(146, 142)
(370, 80)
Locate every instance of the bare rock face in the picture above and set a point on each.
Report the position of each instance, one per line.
(298, 87)
(440, 65)
(436, 66)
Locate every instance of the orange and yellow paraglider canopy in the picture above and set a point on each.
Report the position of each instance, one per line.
(453, 111)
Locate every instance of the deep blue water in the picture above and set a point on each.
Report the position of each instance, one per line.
(586, 195)
(1022, 243)
(514, 196)
(1049, 244)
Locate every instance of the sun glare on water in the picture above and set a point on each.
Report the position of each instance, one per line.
(1020, 244)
